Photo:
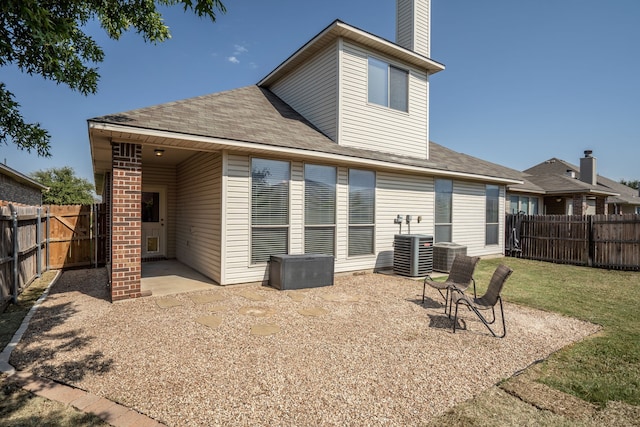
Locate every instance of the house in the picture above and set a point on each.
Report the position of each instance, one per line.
(16, 187)
(556, 187)
(321, 156)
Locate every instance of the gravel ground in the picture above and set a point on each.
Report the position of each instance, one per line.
(363, 352)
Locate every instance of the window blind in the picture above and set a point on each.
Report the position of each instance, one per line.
(320, 209)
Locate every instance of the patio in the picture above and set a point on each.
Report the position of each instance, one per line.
(364, 351)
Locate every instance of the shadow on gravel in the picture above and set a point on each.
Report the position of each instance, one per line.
(43, 346)
(71, 281)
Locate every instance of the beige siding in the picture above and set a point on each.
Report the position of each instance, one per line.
(422, 27)
(165, 177)
(296, 213)
(312, 90)
(469, 206)
(413, 25)
(199, 212)
(404, 195)
(237, 222)
(342, 217)
(395, 194)
(404, 23)
(374, 127)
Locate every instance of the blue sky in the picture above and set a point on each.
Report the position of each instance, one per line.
(525, 80)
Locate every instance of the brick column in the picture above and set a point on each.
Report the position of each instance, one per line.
(601, 206)
(579, 205)
(126, 225)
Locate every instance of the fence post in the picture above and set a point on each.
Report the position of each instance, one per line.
(592, 245)
(16, 248)
(39, 243)
(48, 236)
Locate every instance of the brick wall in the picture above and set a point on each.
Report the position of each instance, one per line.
(126, 188)
(601, 206)
(579, 205)
(14, 191)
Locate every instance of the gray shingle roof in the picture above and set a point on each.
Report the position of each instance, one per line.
(256, 115)
(551, 175)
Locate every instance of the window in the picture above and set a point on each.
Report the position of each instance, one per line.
(150, 207)
(319, 209)
(388, 85)
(524, 205)
(443, 211)
(269, 209)
(362, 186)
(492, 214)
(638, 210)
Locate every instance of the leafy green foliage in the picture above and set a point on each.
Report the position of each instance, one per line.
(45, 37)
(64, 187)
(633, 184)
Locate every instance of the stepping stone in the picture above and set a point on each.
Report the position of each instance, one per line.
(313, 311)
(264, 329)
(207, 298)
(168, 302)
(218, 308)
(297, 296)
(210, 321)
(253, 296)
(333, 297)
(257, 311)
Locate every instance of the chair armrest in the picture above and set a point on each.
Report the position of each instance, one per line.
(475, 295)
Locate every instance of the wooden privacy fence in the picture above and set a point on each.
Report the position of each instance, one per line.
(36, 239)
(603, 241)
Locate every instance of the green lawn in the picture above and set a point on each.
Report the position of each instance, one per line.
(602, 368)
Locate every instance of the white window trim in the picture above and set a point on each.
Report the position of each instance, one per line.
(389, 64)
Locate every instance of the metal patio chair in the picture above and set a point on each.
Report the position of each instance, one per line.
(460, 277)
(486, 301)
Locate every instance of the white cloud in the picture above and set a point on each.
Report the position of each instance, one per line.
(239, 49)
(233, 60)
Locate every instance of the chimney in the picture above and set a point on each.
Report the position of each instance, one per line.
(588, 172)
(570, 173)
(413, 24)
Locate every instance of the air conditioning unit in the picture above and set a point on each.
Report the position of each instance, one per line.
(444, 253)
(412, 254)
(300, 271)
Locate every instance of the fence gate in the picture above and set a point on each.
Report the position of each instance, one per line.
(76, 235)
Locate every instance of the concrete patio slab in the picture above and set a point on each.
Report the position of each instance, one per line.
(169, 277)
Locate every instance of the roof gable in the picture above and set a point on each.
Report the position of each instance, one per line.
(339, 29)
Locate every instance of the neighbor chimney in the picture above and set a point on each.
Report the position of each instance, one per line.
(413, 23)
(588, 172)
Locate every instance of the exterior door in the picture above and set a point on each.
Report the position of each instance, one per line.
(154, 213)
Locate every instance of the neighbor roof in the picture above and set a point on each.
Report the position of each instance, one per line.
(256, 115)
(551, 175)
(22, 178)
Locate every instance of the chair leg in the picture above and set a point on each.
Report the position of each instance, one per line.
(483, 319)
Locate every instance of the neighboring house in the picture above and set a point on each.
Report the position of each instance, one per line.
(319, 157)
(556, 187)
(19, 188)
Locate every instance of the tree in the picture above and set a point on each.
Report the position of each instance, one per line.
(65, 188)
(633, 184)
(45, 37)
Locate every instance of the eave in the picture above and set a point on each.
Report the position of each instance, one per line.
(101, 135)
